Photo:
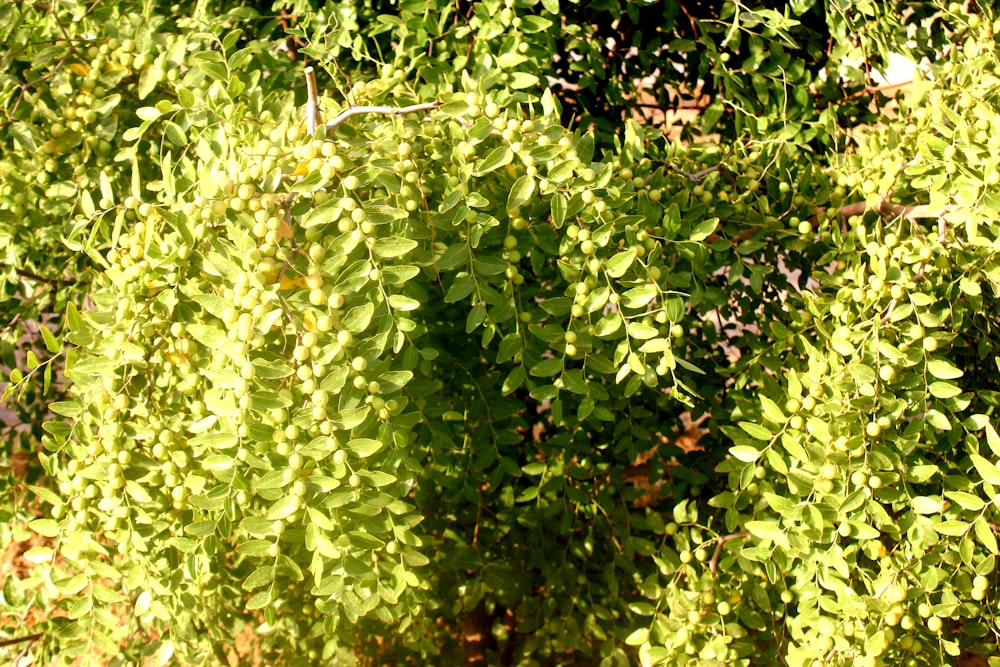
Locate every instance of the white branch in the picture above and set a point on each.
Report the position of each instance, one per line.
(312, 103)
(392, 111)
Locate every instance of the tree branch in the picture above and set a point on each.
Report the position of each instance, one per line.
(867, 90)
(393, 111)
(18, 640)
(28, 275)
(713, 564)
(312, 103)
(889, 210)
(698, 175)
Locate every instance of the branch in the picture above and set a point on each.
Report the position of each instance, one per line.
(18, 640)
(867, 90)
(393, 111)
(713, 564)
(889, 210)
(312, 103)
(28, 275)
(698, 175)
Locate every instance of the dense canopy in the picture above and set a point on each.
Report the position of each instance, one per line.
(500, 332)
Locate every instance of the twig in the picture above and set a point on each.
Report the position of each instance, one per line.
(698, 175)
(18, 640)
(28, 275)
(890, 210)
(713, 564)
(393, 111)
(867, 90)
(312, 103)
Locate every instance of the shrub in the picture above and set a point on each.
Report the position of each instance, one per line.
(413, 361)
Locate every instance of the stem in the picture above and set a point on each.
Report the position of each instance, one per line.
(887, 209)
(312, 103)
(867, 90)
(18, 640)
(34, 276)
(713, 564)
(698, 175)
(394, 111)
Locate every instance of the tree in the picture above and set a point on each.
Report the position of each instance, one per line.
(413, 359)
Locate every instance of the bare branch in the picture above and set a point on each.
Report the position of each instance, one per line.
(698, 175)
(28, 275)
(713, 564)
(889, 210)
(18, 640)
(392, 111)
(312, 103)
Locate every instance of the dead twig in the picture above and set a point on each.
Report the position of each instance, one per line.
(698, 175)
(18, 640)
(312, 103)
(890, 210)
(392, 111)
(713, 564)
(28, 275)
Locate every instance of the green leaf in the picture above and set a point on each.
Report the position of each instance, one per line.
(44, 527)
(148, 113)
(460, 289)
(620, 263)
(404, 303)
(522, 80)
(756, 431)
(452, 258)
(212, 337)
(993, 439)
(80, 608)
(768, 530)
(558, 206)
(283, 507)
(638, 637)
(966, 501)
(393, 246)
(608, 325)
(704, 229)
(641, 331)
(358, 318)
(174, 134)
(261, 599)
(926, 505)
(952, 528)
(987, 470)
(363, 447)
(985, 535)
(521, 191)
(639, 297)
(513, 380)
(943, 370)
(262, 576)
(585, 148)
(863, 531)
(497, 158)
(137, 492)
(771, 410)
(745, 453)
(547, 367)
(943, 390)
(790, 442)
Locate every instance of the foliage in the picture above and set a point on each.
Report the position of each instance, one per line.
(420, 375)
